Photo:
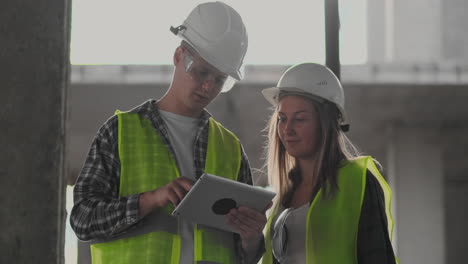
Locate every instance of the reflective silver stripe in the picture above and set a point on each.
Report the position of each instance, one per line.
(84, 252)
(227, 240)
(154, 222)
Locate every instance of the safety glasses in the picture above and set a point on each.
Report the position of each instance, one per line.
(280, 235)
(202, 72)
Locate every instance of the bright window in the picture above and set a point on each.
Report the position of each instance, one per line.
(280, 32)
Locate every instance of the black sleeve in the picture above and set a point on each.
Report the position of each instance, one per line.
(374, 244)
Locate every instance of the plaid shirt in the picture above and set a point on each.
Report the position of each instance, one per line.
(98, 210)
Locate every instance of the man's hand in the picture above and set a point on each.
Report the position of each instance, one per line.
(172, 192)
(249, 223)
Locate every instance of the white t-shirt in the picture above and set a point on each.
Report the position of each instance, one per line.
(182, 131)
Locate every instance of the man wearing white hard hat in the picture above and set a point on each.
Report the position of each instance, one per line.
(143, 161)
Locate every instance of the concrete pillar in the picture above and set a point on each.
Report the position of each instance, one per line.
(34, 55)
(417, 180)
(417, 30)
(406, 31)
(456, 191)
(454, 23)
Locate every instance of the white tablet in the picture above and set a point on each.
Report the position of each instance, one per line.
(212, 197)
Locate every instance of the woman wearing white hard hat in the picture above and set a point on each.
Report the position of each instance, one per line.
(332, 205)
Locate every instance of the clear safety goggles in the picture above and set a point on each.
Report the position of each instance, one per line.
(203, 72)
(279, 240)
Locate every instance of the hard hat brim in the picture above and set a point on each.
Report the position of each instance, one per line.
(236, 74)
(272, 95)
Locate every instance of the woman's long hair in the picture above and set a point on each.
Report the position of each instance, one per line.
(333, 148)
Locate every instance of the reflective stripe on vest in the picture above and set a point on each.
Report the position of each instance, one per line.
(332, 225)
(143, 155)
(223, 158)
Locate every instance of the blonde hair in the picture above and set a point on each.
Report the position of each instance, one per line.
(334, 148)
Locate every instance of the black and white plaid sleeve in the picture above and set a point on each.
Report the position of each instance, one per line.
(98, 211)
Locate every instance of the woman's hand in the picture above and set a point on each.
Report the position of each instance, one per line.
(249, 223)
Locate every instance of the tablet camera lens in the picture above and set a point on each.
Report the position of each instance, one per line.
(223, 206)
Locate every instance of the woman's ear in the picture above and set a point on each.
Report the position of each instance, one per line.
(178, 55)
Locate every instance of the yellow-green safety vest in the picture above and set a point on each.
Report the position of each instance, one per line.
(332, 224)
(147, 164)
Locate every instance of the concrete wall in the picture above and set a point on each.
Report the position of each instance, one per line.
(33, 79)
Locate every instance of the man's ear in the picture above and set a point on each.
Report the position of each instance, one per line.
(178, 55)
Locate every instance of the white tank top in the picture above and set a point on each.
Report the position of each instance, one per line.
(296, 228)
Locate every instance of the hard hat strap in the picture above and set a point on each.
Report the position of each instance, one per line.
(177, 29)
(345, 127)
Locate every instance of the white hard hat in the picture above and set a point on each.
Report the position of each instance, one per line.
(310, 80)
(216, 31)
